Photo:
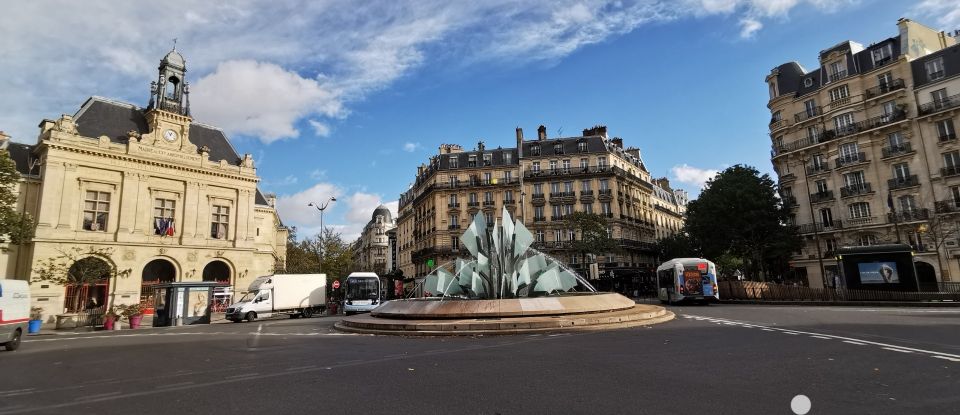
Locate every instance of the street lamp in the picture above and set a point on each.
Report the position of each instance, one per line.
(322, 208)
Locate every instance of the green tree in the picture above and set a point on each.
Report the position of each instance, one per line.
(677, 245)
(16, 227)
(592, 234)
(302, 256)
(738, 213)
(76, 268)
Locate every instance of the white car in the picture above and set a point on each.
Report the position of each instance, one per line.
(14, 312)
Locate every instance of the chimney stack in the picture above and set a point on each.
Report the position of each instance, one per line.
(541, 133)
(617, 141)
(600, 130)
(481, 146)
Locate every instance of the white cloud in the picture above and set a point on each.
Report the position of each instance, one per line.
(318, 174)
(945, 12)
(693, 176)
(294, 208)
(286, 181)
(260, 99)
(319, 128)
(262, 70)
(348, 215)
(410, 147)
(748, 27)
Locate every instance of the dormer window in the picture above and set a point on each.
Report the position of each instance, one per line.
(487, 159)
(535, 150)
(472, 161)
(883, 55)
(773, 90)
(558, 148)
(454, 162)
(836, 71)
(808, 82)
(934, 69)
(582, 146)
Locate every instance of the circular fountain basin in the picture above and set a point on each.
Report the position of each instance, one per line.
(432, 317)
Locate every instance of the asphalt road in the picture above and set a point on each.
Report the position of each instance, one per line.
(720, 359)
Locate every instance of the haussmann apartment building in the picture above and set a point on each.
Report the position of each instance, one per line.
(866, 150)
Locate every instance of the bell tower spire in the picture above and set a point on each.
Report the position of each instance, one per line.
(169, 92)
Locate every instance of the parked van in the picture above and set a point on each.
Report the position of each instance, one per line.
(14, 312)
(299, 295)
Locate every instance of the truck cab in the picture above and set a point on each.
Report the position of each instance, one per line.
(298, 295)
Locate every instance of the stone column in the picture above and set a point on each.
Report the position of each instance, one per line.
(129, 190)
(142, 218)
(191, 210)
(69, 199)
(51, 198)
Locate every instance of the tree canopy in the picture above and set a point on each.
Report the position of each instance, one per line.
(593, 237)
(16, 227)
(738, 213)
(304, 255)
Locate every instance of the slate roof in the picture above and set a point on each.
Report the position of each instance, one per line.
(100, 116)
(951, 65)
(21, 154)
(791, 79)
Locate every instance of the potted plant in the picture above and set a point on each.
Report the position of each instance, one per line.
(36, 320)
(134, 314)
(111, 320)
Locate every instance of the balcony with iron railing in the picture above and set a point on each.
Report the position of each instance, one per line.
(851, 159)
(568, 171)
(605, 192)
(884, 88)
(940, 105)
(509, 201)
(912, 215)
(539, 218)
(903, 182)
(950, 171)
(789, 202)
(869, 124)
(586, 193)
(489, 203)
(453, 226)
(813, 169)
(776, 124)
(856, 190)
(787, 178)
(897, 150)
(947, 206)
(865, 220)
(819, 197)
(821, 227)
(838, 75)
(807, 114)
(453, 205)
(473, 204)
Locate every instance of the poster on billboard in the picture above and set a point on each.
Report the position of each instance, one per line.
(878, 273)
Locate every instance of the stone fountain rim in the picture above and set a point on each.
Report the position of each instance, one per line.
(454, 308)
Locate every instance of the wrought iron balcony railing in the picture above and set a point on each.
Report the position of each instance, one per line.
(940, 105)
(903, 182)
(855, 190)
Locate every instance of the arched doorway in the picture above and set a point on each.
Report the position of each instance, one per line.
(926, 276)
(89, 286)
(219, 272)
(155, 272)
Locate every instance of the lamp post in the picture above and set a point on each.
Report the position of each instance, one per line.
(321, 208)
(816, 232)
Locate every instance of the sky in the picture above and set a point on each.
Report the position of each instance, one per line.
(345, 99)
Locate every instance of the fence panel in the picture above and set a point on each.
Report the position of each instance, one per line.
(755, 290)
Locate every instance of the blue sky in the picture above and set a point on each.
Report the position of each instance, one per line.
(345, 100)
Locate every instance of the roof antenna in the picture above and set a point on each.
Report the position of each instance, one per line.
(560, 132)
(174, 43)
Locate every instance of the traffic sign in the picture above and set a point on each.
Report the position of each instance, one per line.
(336, 284)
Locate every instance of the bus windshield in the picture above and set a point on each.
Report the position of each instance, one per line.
(363, 288)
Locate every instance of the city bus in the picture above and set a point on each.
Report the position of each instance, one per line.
(687, 279)
(362, 292)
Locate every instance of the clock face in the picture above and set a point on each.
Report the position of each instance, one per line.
(170, 135)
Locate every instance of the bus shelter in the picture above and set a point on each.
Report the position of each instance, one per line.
(183, 303)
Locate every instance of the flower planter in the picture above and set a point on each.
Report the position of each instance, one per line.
(108, 323)
(33, 326)
(135, 321)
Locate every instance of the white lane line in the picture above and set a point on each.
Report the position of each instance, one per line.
(870, 342)
(102, 395)
(245, 375)
(174, 385)
(894, 349)
(821, 337)
(16, 391)
(768, 329)
(952, 359)
(302, 367)
(856, 343)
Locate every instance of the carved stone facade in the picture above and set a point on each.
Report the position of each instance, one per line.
(168, 197)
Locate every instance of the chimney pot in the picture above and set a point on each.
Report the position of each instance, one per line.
(541, 133)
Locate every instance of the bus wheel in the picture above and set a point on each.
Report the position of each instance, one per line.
(14, 343)
(251, 316)
(307, 312)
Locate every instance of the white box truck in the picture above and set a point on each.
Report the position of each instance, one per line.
(14, 312)
(299, 295)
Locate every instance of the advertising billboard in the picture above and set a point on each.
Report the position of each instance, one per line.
(878, 272)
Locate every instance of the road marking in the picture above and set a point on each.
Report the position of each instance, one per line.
(174, 385)
(895, 349)
(952, 359)
(767, 329)
(856, 343)
(302, 367)
(852, 340)
(821, 337)
(17, 392)
(245, 375)
(99, 396)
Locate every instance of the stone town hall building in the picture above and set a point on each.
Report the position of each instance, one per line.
(169, 197)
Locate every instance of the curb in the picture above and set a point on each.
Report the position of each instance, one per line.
(846, 303)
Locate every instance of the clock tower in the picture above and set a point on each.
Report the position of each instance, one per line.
(168, 113)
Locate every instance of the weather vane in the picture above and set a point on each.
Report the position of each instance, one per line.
(174, 43)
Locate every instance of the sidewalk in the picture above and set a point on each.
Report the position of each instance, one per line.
(146, 324)
(849, 303)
